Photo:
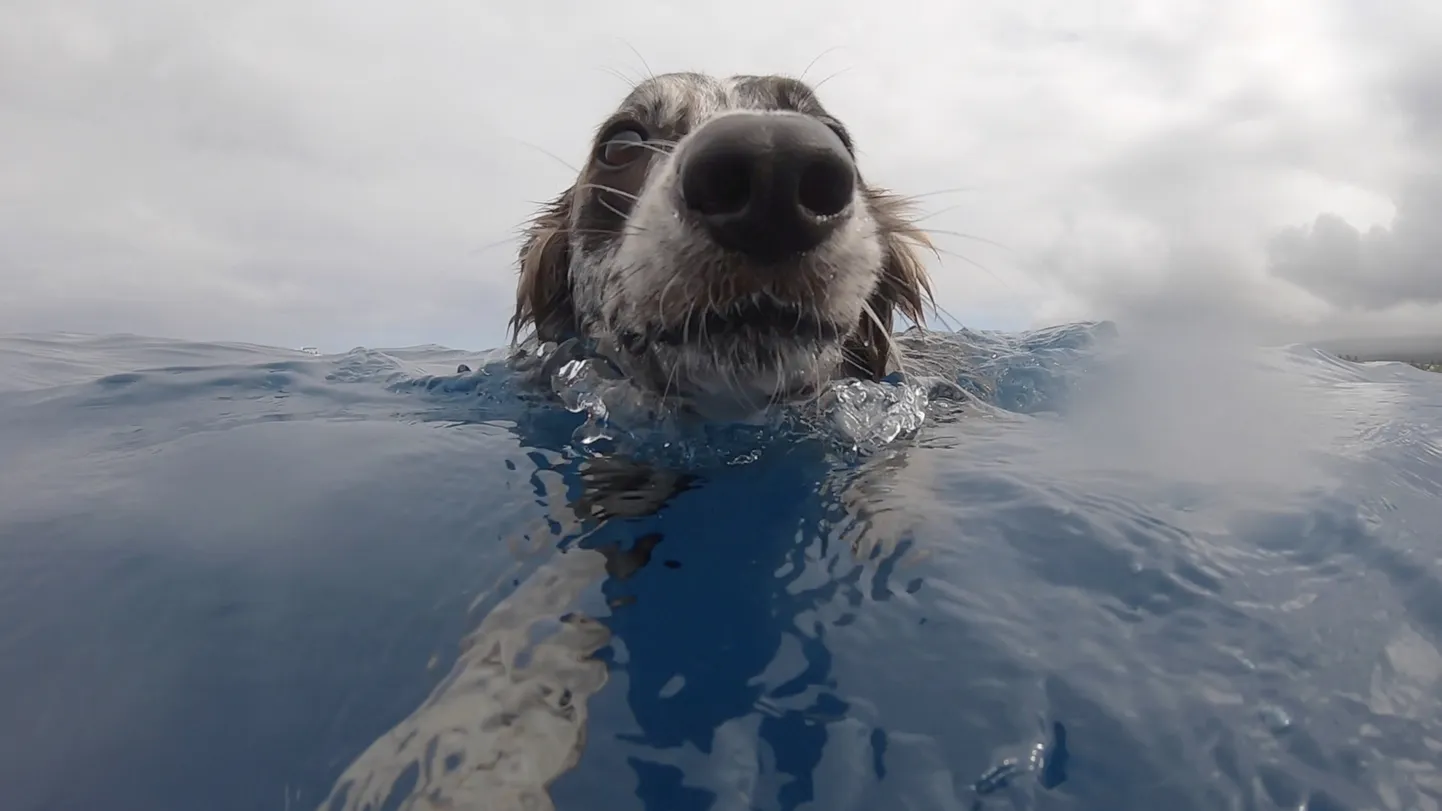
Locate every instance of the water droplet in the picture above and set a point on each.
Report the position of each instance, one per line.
(1276, 718)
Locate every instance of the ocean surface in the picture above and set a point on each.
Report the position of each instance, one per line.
(1105, 571)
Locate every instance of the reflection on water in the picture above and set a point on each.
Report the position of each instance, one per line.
(687, 641)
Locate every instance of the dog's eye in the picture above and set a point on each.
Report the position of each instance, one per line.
(835, 126)
(621, 147)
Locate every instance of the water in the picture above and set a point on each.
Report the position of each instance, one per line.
(1105, 573)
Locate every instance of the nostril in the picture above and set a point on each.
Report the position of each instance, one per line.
(719, 185)
(766, 186)
(826, 186)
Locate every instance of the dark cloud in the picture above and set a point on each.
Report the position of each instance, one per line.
(1373, 270)
(1394, 265)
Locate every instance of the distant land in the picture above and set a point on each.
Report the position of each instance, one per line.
(1424, 351)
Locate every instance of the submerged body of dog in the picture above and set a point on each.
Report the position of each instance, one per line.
(721, 250)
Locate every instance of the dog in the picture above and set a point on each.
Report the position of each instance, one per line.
(722, 251)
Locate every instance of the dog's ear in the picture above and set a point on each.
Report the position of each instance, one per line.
(904, 287)
(543, 290)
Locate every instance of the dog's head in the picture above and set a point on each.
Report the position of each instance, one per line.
(721, 245)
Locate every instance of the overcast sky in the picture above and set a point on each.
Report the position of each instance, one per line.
(351, 172)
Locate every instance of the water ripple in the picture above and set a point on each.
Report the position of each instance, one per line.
(1058, 569)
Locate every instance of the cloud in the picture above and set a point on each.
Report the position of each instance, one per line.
(311, 173)
(1391, 268)
(1377, 270)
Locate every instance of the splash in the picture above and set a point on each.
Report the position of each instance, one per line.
(854, 417)
(857, 415)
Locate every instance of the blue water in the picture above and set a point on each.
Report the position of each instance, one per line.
(1125, 574)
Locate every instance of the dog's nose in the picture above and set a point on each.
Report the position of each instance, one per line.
(767, 186)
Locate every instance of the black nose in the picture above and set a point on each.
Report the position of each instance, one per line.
(767, 185)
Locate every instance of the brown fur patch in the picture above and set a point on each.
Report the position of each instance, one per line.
(543, 291)
(904, 286)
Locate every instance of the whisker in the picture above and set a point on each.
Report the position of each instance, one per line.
(627, 80)
(686, 322)
(881, 330)
(671, 378)
(779, 385)
(944, 316)
(547, 153)
(518, 229)
(818, 85)
(491, 246)
(963, 235)
(818, 58)
(618, 212)
(659, 147)
(979, 266)
(661, 299)
(611, 189)
(649, 72)
(851, 355)
(935, 192)
(627, 229)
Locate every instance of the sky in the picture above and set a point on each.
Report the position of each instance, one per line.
(348, 173)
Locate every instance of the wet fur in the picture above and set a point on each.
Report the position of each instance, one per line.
(603, 255)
